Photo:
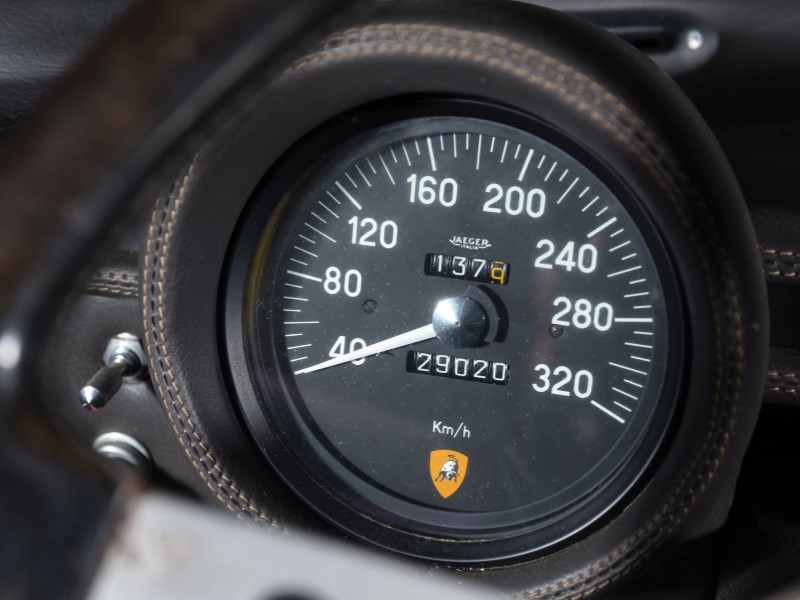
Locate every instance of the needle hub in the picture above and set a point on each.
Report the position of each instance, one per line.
(460, 322)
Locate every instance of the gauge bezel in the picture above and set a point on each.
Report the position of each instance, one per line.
(363, 517)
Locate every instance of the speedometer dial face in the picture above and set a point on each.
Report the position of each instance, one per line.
(460, 328)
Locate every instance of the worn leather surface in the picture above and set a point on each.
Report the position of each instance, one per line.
(756, 120)
(39, 41)
(184, 262)
(758, 552)
(747, 91)
(117, 277)
(77, 346)
(749, 85)
(242, 467)
(783, 377)
(80, 162)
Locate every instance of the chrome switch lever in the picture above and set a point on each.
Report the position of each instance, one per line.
(123, 358)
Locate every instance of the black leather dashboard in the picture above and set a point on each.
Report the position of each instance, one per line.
(742, 81)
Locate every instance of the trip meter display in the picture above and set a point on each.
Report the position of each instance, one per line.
(460, 329)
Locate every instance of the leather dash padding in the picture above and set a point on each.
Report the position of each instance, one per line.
(537, 58)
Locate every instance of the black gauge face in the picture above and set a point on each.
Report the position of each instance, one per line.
(459, 330)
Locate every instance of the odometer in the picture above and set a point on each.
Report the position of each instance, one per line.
(460, 327)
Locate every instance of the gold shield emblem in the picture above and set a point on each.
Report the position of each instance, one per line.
(448, 469)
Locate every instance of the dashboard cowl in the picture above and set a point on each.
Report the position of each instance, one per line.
(596, 89)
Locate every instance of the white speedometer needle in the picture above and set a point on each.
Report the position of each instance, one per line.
(404, 339)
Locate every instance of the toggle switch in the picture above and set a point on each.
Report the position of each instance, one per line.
(124, 358)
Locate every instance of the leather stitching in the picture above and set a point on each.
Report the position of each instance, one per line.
(202, 458)
(588, 96)
(781, 263)
(784, 382)
(111, 283)
(112, 291)
(114, 276)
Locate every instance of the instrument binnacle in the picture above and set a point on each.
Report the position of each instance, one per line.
(461, 328)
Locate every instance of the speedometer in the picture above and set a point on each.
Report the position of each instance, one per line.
(462, 326)
(476, 287)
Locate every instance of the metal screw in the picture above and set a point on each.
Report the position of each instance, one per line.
(556, 330)
(370, 306)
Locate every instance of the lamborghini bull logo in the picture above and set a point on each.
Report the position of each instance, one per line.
(448, 469)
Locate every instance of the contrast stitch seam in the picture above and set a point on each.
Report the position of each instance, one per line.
(113, 283)
(714, 445)
(114, 276)
(113, 291)
(652, 154)
(782, 253)
(781, 263)
(193, 444)
(784, 382)
(451, 42)
(211, 472)
(783, 374)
